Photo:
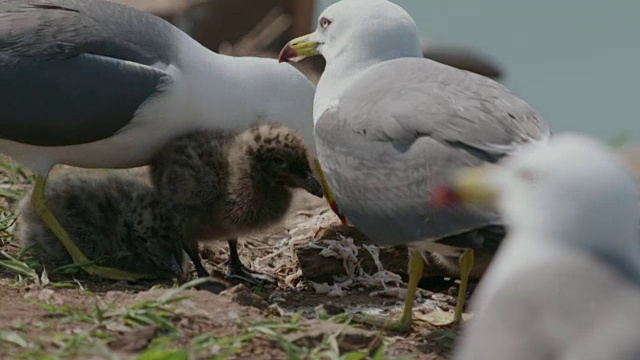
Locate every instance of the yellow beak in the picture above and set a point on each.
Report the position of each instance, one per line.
(298, 49)
(471, 185)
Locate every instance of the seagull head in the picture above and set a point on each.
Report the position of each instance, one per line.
(572, 188)
(358, 30)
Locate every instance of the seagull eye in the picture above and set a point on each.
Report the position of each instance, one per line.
(324, 22)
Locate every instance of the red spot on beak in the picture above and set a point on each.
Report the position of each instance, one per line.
(444, 196)
(286, 53)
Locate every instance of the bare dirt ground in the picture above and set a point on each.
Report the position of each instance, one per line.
(51, 316)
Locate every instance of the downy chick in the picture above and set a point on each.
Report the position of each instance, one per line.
(221, 185)
(210, 185)
(114, 218)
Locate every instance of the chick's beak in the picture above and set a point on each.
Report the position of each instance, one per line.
(299, 48)
(311, 184)
(468, 186)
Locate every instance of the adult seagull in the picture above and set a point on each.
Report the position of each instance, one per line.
(390, 124)
(90, 83)
(566, 282)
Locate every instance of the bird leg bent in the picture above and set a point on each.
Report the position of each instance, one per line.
(237, 272)
(39, 202)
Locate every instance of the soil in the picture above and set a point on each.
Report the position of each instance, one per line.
(37, 320)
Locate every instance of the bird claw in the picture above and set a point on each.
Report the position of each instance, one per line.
(241, 275)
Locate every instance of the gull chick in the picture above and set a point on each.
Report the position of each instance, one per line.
(113, 218)
(207, 185)
(220, 185)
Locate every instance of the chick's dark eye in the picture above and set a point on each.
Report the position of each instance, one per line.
(279, 161)
(324, 22)
(298, 169)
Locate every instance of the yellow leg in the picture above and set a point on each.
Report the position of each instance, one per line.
(466, 264)
(40, 203)
(441, 318)
(416, 267)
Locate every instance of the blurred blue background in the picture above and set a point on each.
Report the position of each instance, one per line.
(575, 62)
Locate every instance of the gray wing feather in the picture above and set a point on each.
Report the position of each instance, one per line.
(413, 98)
(385, 191)
(400, 130)
(76, 71)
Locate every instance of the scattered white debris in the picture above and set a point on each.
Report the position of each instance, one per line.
(46, 296)
(343, 249)
(274, 253)
(334, 290)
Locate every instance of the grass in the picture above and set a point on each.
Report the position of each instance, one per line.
(24, 267)
(94, 330)
(161, 313)
(67, 331)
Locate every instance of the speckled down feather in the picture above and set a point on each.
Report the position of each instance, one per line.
(206, 185)
(114, 218)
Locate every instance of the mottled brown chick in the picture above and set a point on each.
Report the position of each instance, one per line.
(114, 218)
(220, 185)
(205, 186)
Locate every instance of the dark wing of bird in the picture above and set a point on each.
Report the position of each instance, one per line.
(76, 71)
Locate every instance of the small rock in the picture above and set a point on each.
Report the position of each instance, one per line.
(277, 296)
(441, 297)
(240, 294)
(349, 338)
(333, 309)
(359, 340)
(324, 311)
(134, 341)
(275, 310)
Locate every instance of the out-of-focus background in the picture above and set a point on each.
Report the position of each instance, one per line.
(575, 62)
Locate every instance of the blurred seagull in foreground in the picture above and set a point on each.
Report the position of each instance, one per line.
(566, 282)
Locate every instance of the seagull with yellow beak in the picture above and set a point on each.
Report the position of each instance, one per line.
(565, 284)
(389, 125)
